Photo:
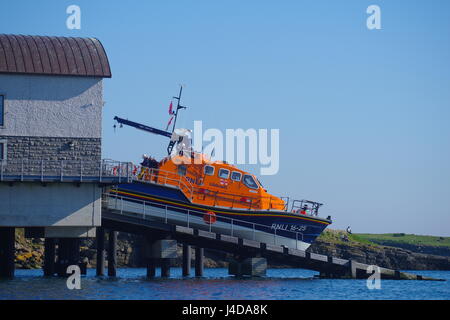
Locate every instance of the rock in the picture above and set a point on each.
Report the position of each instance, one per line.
(30, 253)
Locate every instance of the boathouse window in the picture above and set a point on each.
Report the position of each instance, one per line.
(236, 176)
(2, 110)
(250, 182)
(209, 170)
(182, 170)
(224, 173)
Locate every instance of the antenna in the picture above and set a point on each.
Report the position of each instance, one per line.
(179, 106)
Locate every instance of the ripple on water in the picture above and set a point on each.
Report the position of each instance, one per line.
(291, 284)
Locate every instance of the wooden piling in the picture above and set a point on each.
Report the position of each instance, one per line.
(165, 268)
(199, 261)
(68, 254)
(100, 235)
(49, 256)
(112, 253)
(7, 252)
(151, 268)
(186, 260)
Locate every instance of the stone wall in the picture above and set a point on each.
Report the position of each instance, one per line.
(49, 154)
(53, 148)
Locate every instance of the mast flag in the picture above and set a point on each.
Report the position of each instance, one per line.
(170, 121)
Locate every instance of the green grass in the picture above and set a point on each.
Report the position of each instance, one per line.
(335, 236)
(406, 239)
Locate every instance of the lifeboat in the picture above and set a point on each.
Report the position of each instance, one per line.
(188, 188)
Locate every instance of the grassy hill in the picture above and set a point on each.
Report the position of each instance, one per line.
(391, 239)
(410, 253)
(417, 243)
(402, 238)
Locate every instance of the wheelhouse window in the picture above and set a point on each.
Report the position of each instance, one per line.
(224, 173)
(209, 170)
(236, 176)
(249, 181)
(2, 110)
(182, 170)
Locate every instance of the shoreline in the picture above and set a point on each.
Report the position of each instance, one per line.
(30, 253)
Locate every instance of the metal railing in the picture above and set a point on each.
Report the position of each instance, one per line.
(153, 175)
(229, 200)
(166, 213)
(25, 169)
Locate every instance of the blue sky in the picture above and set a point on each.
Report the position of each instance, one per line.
(363, 114)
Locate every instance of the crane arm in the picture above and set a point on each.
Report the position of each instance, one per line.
(143, 127)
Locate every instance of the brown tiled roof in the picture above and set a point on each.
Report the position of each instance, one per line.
(53, 56)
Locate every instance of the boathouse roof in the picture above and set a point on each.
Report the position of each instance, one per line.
(46, 55)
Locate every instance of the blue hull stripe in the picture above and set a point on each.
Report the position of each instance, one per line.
(309, 227)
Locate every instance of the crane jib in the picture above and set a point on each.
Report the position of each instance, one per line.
(143, 127)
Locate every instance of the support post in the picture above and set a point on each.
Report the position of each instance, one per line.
(186, 260)
(61, 260)
(49, 257)
(7, 251)
(112, 253)
(352, 269)
(327, 271)
(165, 268)
(68, 254)
(151, 268)
(254, 267)
(100, 234)
(199, 257)
(149, 259)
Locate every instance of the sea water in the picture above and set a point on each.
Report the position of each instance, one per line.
(279, 284)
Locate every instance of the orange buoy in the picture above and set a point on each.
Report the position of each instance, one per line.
(209, 217)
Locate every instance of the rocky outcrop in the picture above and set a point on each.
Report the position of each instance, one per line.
(339, 244)
(29, 253)
(419, 248)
